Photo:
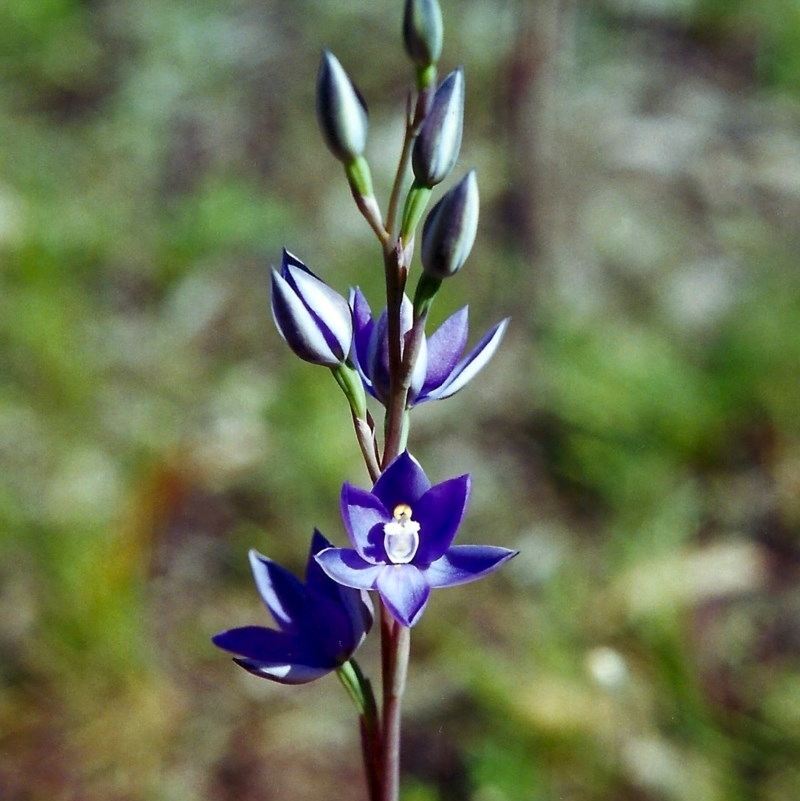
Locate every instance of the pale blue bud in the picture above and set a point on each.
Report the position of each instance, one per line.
(449, 230)
(439, 142)
(423, 31)
(341, 110)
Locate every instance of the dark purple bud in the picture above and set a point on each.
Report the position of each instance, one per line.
(313, 319)
(341, 110)
(423, 31)
(450, 228)
(439, 142)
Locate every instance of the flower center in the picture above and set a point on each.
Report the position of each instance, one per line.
(401, 536)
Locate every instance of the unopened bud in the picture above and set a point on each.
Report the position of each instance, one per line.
(423, 31)
(437, 146)
(313, 319)
(341, 110)
(449, 230)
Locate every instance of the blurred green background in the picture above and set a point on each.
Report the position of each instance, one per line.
(637, 437)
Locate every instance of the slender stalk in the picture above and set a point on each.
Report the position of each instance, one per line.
(372, 214)
(413, 124)
(395, 424)
(397, 642)
(366, 440)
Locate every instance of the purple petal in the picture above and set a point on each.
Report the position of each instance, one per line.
(257, 642)
(464, 563)
(348, 568)
(403, 481)
(283, 594)
(283, 673)
(377, 358)
(475, 361)
(277, 654)
(362, 335)
(316, 580)
(419, 373)
(364, 517)
(445, 347)
(440, 512)
(405, 592)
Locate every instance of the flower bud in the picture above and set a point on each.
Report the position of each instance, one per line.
(423, 31)
(341, 110)
(449, 230)
(313, 319)
(439, 141)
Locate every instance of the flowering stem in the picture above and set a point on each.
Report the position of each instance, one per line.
(395, 426)
(395, 648)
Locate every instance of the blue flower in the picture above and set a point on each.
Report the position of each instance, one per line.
(440, 371)
(402, 533)
(321, 624)
(312, 318)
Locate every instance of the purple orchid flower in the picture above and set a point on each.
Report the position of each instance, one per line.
(439, 372)
(402, 533)
(321, 623)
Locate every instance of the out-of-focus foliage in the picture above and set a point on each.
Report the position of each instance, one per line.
(637, 438)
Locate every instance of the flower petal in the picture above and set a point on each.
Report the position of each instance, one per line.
(283, 594)
(348, 568)
(445, 347)
(364, 517)
(439, 513)
(316, 579)
(283, 673)
(405, 592)
(377, 359)
(363, 326)
(475, 361)
(403, 481)
(263, 644)
(464, 563)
